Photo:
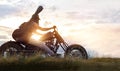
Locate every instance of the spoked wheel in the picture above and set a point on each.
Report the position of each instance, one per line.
(76, 51)
(10, 49)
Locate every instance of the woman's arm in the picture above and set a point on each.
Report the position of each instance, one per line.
(45, 29)
(41, 28)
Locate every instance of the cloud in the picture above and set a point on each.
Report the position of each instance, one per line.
(93, 11)
(5, 34)
(7, 10)
(16, 12)
(93, 16)
(110, 16)
(17, 8)
(6, 29)
(101, 40)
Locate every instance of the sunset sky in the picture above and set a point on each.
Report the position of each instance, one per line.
(95, 24)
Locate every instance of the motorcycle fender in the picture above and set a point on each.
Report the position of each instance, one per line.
(14, 42)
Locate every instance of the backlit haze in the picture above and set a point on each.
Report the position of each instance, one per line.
(95, 24)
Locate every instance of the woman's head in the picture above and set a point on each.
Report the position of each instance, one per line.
(35, 18)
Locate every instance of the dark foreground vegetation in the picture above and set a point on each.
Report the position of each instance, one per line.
(59, 64)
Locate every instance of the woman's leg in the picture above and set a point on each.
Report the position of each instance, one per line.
(42, 46)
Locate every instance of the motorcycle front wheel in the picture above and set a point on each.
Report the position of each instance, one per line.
(76, 51)
(10, 49)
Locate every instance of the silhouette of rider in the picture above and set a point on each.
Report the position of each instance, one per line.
(34, 24)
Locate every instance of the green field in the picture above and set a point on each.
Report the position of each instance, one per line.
(59, 64)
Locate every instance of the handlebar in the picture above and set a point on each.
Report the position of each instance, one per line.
(54, 27)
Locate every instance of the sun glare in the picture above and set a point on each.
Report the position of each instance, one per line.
(35, 36)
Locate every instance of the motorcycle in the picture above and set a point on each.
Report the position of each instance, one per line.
(18, 48)
(11, 48)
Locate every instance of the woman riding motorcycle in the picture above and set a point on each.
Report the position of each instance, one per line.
(25, 31)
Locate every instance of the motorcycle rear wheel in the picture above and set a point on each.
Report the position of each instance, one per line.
(76, 51)
(10, 49)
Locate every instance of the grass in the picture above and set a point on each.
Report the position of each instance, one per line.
(36, 63)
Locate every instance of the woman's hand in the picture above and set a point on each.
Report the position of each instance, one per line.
(54, 27)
